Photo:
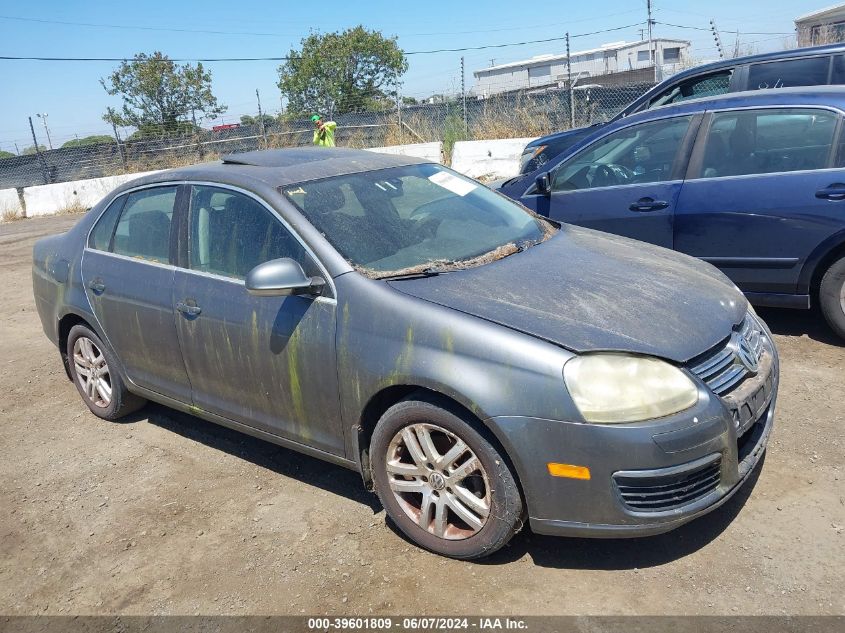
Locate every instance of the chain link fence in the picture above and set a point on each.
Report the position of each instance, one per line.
(447, 119)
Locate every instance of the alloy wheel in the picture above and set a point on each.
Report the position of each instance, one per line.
(438, 481)
(92, 371)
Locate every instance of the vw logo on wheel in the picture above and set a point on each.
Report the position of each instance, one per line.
(747, 356)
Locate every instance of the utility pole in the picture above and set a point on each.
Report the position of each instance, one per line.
(399, 111)
(261, 118)
(464, 98)
(43, 118)
(718, 39)
(650, 40)
(120, 147)
(569, 85)
(38, 152)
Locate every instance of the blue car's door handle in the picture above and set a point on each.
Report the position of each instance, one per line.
(648, 204)
(188, 310)
(836, 191)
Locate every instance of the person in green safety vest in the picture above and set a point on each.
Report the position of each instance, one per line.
(323, 131)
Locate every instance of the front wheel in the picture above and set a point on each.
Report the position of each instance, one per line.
(442, 482)
(832, 296)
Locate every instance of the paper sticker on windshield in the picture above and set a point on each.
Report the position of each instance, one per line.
(452, 183)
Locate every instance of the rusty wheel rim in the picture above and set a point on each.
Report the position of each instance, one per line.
(438, 481)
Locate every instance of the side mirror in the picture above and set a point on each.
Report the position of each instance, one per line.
(544, 184)
(280, 277)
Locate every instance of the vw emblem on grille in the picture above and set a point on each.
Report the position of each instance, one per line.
(746, 355)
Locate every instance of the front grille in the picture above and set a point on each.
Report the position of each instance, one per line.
(655, 492)
(725, 368)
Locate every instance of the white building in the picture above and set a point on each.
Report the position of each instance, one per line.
(591, 66)
(825, 26)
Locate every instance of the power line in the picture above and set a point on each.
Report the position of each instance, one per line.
(702, 28)
(280, 59)
(138, 28)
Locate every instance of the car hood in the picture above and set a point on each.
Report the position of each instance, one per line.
(589, 291)
(562, 136)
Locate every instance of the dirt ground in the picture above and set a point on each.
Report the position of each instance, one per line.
(167, 514)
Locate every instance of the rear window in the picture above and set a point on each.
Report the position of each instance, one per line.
(767, 141)
(810, 71)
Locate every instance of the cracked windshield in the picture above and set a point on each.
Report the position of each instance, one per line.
(415, 219)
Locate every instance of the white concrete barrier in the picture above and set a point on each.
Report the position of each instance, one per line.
(52, 199)
(9, 201)
(426, 151)
(488, 159)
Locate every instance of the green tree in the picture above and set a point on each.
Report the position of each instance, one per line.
(247, 119)
(332, 73)
(96, 139)
(6, 154)
(31, 149)
(160, 95)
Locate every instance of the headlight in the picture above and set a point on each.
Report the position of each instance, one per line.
(616, 388)
(528, 154)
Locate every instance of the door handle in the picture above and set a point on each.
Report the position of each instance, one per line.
(188, 310)
(97, 286)
(648, 204)
(836, 191)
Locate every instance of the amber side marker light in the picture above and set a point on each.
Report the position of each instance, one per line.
(568, 470)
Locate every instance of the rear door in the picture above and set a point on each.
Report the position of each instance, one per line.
(764, 189)
(127, 269)
(625, 183)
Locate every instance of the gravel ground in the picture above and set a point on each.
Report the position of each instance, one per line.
(164, 513)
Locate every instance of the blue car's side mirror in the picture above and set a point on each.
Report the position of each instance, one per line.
(543, 183)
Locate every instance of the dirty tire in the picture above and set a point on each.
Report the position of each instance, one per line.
(503, 502)
(121, 402)
(832, 296)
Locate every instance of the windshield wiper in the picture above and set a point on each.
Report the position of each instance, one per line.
(417, 274)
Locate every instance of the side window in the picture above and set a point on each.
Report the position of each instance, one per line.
(838, 75)
(144, 227)
(104, 229)
(696, 87)
(638, 154)
(767, 141)
(231, 233)
(810, 71)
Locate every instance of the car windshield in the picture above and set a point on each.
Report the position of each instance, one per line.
(416, 219)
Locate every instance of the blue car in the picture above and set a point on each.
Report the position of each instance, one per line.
(752, 182)
(813, 66)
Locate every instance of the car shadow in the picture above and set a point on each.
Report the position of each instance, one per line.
(283, 461)
(629, 553)
(545, 551)
(798, 323)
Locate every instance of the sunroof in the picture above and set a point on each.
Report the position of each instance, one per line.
(281, 157)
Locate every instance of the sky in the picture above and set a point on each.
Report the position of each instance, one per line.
(72, 97)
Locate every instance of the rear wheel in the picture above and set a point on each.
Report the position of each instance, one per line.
(832, 296)
(442, 482)
(94, 373)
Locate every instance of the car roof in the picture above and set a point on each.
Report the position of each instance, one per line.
(760, 57)
(832, 96)
(282, 167)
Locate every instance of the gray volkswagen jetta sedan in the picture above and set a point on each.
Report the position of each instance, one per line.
(476, 363)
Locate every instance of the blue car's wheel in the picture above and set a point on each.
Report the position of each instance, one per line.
(832, 296)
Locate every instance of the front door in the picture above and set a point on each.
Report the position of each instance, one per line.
(625, 183)
(268, 362)
(128, 277)
(763, 192)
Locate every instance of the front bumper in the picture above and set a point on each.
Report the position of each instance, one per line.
(646, 478)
